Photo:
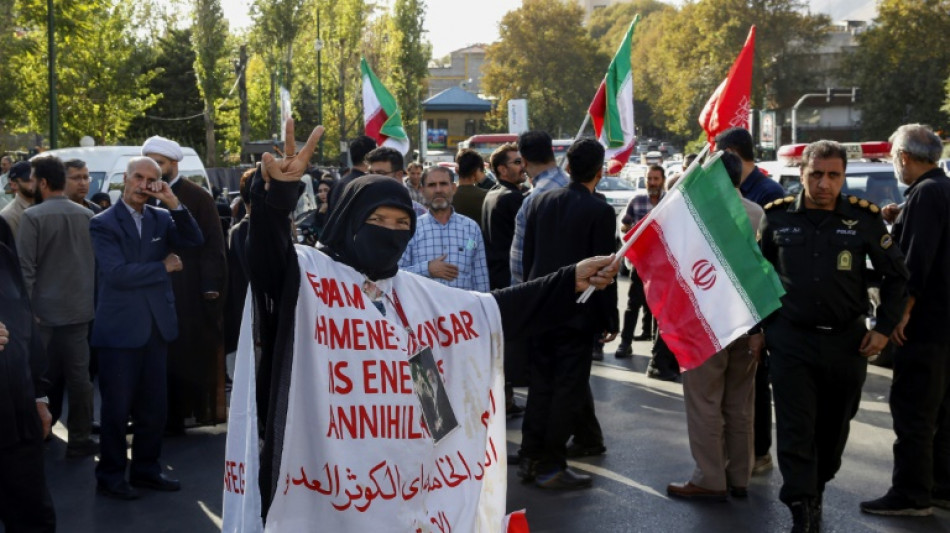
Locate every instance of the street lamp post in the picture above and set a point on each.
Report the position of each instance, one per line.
(318, 46)
(51, 48)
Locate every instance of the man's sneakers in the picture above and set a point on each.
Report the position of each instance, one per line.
(624, 351)
(762, 464)
(562, 479)
(893, 505)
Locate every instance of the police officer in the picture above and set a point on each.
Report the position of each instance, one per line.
(819, 242)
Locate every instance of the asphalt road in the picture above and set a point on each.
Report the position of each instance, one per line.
(645, 429)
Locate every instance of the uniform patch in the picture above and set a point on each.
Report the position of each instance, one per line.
(850, 223)
(886, 241)
(844, 260)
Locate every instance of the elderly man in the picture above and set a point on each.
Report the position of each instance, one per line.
(447, 247)
(819, 243)
(196, 357)
(920, 391)
(23, 184)
(59, 270)
(135, 321)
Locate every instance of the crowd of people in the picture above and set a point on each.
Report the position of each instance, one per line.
(145, 297)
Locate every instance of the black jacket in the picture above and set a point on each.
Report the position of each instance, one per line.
(499, 209)
(23, 359)
(564, 226)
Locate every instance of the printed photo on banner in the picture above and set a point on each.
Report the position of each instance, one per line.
(430, 389)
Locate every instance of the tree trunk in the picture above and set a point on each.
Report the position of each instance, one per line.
(210, 148)
(242, 95)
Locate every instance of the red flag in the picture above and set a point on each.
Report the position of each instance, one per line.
(729, 106)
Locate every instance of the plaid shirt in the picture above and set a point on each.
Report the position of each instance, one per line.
(415, 194)
(638, 207)
(549, 179)
(460, 240)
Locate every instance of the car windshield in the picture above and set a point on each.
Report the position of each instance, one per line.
(614, 184)
(880, 188)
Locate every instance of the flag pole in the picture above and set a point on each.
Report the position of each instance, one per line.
(618, 255)
(579, 132)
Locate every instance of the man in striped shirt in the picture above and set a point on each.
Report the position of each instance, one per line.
(446, 247)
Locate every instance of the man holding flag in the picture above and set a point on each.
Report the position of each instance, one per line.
(819, 242)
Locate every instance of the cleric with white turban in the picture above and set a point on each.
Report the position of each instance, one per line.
(162, 146)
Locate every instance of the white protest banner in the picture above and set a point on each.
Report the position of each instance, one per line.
(357, 455)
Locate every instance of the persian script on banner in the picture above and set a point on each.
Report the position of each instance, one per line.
(357, 455)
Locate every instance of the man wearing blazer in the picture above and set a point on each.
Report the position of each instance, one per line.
(135, 319)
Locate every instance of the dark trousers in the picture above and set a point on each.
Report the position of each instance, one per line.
(67, 348)
(663, 361)
(25, 502)
(636, 298)
(762, 422)
(816, 379)
(132, 382)
(587, 430)
(920, 402)
(559, 401)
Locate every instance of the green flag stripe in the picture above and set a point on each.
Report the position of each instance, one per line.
(393, 125)
(617, 73)
(718, 210)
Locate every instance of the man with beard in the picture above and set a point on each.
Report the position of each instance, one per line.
(196, 357)
(77, 184)
(447, 246)
(24, 185)
(637, 208)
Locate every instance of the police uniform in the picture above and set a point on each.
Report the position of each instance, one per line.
(817, 371)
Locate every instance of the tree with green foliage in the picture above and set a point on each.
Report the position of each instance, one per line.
(902, 65)
(178, 113)
(409, 58)
(691, 50)
(545, 55)
(101, 84)
(277, 23)
(209, 39)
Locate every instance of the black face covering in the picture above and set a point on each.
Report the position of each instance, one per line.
(380, 249)
(370, 249)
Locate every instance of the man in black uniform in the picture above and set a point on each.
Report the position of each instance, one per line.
(818, 243)
(921, 386)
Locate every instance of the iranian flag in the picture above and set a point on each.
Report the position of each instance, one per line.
(730, 104)
(612, 108)
(381, 118)
(705, 279)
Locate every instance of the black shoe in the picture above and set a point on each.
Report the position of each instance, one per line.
(643, 337)
(940, 499)
(624, 351)
(527, 469)
(579, 450)
(121, 491)
(598, 354)
(803, 517)
(653, 373)
(83, 449)
(160, 482)
(563, 479)
(894, 505)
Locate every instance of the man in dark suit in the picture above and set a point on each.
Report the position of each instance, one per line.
(196, 357)
(135, 319)
(563, 225)
(25, 503)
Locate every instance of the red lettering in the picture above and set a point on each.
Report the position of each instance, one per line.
(339, 336)
(374, 331)
(357, 332)
(331, 293)
(457, 329)
(444, 331)
(354, 297)
(468, 321)
(369, 377)
(339, 374)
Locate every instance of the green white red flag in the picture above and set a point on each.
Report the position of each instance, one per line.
(730, 104)
(612, 108)
(705, 278)
(381, 118)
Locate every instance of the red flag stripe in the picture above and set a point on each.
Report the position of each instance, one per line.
(374, 124)
(598, 108)
(684, 330)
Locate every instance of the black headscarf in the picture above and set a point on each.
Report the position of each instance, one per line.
(356, 202)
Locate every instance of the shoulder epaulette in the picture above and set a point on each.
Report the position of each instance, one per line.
(864, 204)
(779, 202)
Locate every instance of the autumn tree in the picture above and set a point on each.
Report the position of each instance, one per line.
(546, 56)
(408, 55)
(902, 65)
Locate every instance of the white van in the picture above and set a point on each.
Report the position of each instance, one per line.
(107, 166)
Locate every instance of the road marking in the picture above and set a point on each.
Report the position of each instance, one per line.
(215, 519)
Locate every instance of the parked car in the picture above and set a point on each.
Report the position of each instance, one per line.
(617, 191)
